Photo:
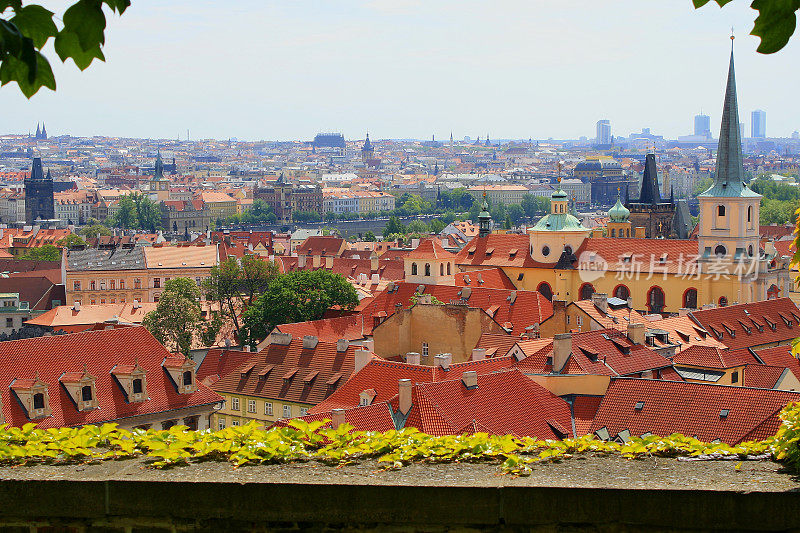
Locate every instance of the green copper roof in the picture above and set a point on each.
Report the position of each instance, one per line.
(559, 194)
(619, 213)
(729, 174)
(559, 222)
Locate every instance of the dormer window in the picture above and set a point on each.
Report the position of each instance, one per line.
(81, 389)
(32, 395)
(132, 380)
(182, 372)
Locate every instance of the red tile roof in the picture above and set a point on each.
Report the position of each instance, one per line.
(584, 409)
(763, 376)
(503, 403)
(693, 409)
(605, 352)
(492, 278)
(498, 250)
(430, 249)
(289, 365)
(710, 357)
(616, 318)
(753, 324)
(220, 362)
(100, 351)
(382, 376)
(780, 356)
(350, 327)
(391, 270)
(322, 246)
(680, 256)
(527, 309)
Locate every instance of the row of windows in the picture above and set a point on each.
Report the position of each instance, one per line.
(415, 269)
(114, 284)
(252, 407)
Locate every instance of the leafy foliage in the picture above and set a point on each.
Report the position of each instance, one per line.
(311, 441)
(137, 211)
(235, 283)
(177, 321)
(47, 252)
(259, 213)
(70, 241)
(27, 30)
(775, 24)
(95, 230)
(296, 297)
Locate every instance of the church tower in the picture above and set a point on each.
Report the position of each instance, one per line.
(39, 204)
(367, 151)
(484, 219)
(729, 209)
(159, 185)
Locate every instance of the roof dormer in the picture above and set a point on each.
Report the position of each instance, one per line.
(32, 395)
(182, 372)
(132, 379)
(81, 389)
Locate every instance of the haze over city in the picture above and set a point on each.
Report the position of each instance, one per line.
(411, 69)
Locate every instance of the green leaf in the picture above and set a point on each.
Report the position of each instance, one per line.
(86, 20)
(35, 22)
(118, 5)
(775, 23)
(67, 45)
(13, 69)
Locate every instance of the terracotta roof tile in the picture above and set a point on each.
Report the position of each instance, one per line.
(765, 324)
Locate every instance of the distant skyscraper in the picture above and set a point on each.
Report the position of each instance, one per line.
(702, 125)
(758, 124)
(604, 131)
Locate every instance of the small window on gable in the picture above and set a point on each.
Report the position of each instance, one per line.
(721, 210)
(138, 386)
(187, 378)
(86, 393)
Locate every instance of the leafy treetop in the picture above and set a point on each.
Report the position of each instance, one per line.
(24, 31)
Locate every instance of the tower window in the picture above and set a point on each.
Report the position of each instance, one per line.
(720, 251)
(427, 269)
(721, 210)
(750, 213)
(413, 269)
(545, 250)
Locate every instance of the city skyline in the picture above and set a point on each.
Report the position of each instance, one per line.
(351, 70)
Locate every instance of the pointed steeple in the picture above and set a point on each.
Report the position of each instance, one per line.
(729, 173)
(484, 218)
(38, 131)
(44, 131)
(37, 173)
(49, 176)
(650, 191)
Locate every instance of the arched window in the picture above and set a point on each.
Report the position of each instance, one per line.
(585, 291)
(655, 300)
(750, 213)
(720, 251)
(545, 290)
(86, 393)
(187, 378)
(613, 233)
(568, 249)
(441, 269)
(690, 298)
(38, 401)
(723, 301)
(427, 269)
(627, 232)
(448, 268)
(750, 250)
(622, 292)
(413, 269)
(545, 250)
(721, 210)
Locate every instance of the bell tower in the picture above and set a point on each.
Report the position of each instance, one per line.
(728, 236)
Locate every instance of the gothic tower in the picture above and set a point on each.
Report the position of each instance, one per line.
(39, 204)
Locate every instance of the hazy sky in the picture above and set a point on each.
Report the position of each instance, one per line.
(411, 68)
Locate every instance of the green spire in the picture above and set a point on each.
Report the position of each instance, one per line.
(729, 173)
(619, 213)
(159, 173)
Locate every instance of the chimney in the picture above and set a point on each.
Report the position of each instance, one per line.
(316, 261)
(342, 345)
(373, 262)
(512, 297)
(683, 311)
(424, 299)
(227, 343)
(375, 279)
(478, 354)
(76, 306)
(404, 395)
(636, 333)
(560, 315)
(412, 358)
(362, 358)
(301, 261)
(136, 304)
(282, 339)
(337, 418)
(310, 342)
(562, 348)
(328, 263)
(443, 360)
(600, 300)
(368, 345)
(470, 379)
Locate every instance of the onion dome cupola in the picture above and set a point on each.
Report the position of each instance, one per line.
(619, 213)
